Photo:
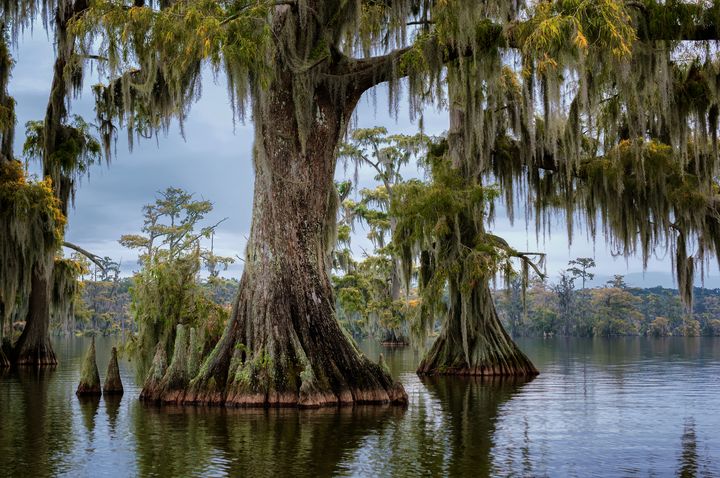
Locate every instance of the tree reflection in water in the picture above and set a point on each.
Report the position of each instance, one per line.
(252, 442)
(38, 417)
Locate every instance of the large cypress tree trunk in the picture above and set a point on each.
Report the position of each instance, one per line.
(483, 349)
(283, 345)
(4, 361)
(34, 347)
(472, 341)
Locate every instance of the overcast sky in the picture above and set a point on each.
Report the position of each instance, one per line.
(214, 162)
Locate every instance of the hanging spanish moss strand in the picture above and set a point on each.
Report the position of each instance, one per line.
(603, 112)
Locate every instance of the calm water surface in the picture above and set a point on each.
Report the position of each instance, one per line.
(616, 407)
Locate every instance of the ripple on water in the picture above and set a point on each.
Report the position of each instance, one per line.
(621, 407)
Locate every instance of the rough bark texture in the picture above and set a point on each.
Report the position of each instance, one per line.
(490, 350)
(283, 345)
(155, 374)
(4, 362)
(89, 376)
(472, 340)
(34, 347)
(171, 388)
(113, 384)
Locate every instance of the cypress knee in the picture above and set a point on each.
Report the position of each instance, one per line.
(113, 384)
(89, 376)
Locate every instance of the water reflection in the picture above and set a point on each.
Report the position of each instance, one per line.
(471, 406)
(36, 418)
(689, 457)
(618, 407)
(89, 406)
(251, 442)
(112, 409)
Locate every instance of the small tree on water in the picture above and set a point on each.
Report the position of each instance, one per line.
(167, 291)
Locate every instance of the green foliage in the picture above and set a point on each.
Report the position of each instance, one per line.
(167, 291)
(7, 102)
(614, 309)
(365, 303)
(256, 374)
(369, 291)
(156, 53)
(31, 226)
(66, 293)
(442, 224)
(76, 149)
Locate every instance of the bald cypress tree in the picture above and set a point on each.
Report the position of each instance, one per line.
(33, 219)
(584, 104)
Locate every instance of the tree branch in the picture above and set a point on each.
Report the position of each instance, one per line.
(653, 24)
(94, 258)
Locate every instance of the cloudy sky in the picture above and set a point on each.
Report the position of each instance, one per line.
(214, 162)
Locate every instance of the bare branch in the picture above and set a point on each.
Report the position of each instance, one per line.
(93, 257)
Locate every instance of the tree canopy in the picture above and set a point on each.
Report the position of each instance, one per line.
(572, 103)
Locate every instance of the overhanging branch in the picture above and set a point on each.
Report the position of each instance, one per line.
(93, 257)
(654, 23)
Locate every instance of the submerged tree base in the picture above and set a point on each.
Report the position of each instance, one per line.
(113, 383)
(448, 358)
(484, 349)
(38, 355)
(295, 362)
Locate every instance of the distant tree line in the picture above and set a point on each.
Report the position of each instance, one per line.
(563, 309)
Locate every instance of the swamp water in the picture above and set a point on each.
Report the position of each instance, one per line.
(602, 407)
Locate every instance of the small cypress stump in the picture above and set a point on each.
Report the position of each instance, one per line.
(113, 384)
(89, 376)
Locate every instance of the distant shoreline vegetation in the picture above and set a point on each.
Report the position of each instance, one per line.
(104, 306)
(607, 311)
(611, 310)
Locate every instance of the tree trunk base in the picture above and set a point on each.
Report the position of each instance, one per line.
(447, 357)
(4, 362)
(478, 346)
(37, 355)
(249, 391)
(89, 376)
(113, 383)
(302, 359)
